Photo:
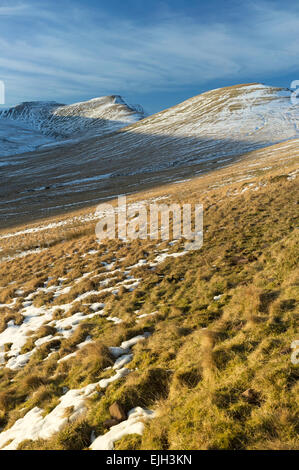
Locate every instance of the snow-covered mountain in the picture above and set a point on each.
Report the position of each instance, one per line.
(17, 136)
(207, 131)
(32, 124)
(220, 123)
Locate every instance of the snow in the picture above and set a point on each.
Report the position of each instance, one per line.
(207, 129)
(103, 383)
(34, 426)
(144, 315)
(44, 427)
(33, 125)
(43, 340)
(19, 292)
(292, 175)
(18, 137)
(86, 294)
(66, 326)
(117, 351)
(122, 361)
(96, 306)
(131, 342)
(133, 425)
(22, 254)
(162, 257)
(53, 225)
(11, 304)
(18, 362)
(88, 340)
(34, 317)
(217, 297)
(115, 320)
(33, 423)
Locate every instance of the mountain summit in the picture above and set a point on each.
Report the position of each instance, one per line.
(97, 116)
(104, 155)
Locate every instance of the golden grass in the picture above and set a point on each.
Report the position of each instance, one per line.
(203, 354)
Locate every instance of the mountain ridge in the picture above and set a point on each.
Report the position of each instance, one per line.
(207, 131)
(97, 116)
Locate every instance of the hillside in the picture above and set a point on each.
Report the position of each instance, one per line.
(18, 137)
(60, 122)
(205, 132)
(195, 347)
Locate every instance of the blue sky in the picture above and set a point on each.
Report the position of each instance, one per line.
(156, 53)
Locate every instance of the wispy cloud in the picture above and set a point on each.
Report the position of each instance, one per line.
(11, 11)
(82, 52)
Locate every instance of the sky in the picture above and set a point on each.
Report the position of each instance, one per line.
(154, 53)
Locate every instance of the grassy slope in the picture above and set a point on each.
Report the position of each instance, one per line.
(203, 353)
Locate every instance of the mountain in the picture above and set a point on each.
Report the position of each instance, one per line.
(207, 131)
(32, 121)
(17, 136)
(144, 344)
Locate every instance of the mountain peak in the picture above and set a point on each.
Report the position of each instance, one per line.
(97, 116)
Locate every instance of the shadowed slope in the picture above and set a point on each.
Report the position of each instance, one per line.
(31, 125)
(203, 132)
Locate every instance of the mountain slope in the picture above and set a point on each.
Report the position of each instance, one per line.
(58, 121)
(196, 347)
(18, 136)
(202, 133)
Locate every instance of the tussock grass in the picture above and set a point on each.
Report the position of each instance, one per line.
(204, 353)
(88, 364)
(10, 315)
(75, 436)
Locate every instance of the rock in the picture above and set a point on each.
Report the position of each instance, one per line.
(239, 260)
(110, 422)
(116, 411)
(251, 395)
(286, 351)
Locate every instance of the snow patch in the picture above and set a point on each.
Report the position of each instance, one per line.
(133, 425)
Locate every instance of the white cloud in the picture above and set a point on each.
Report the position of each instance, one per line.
(79, 51)
(13, 10)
